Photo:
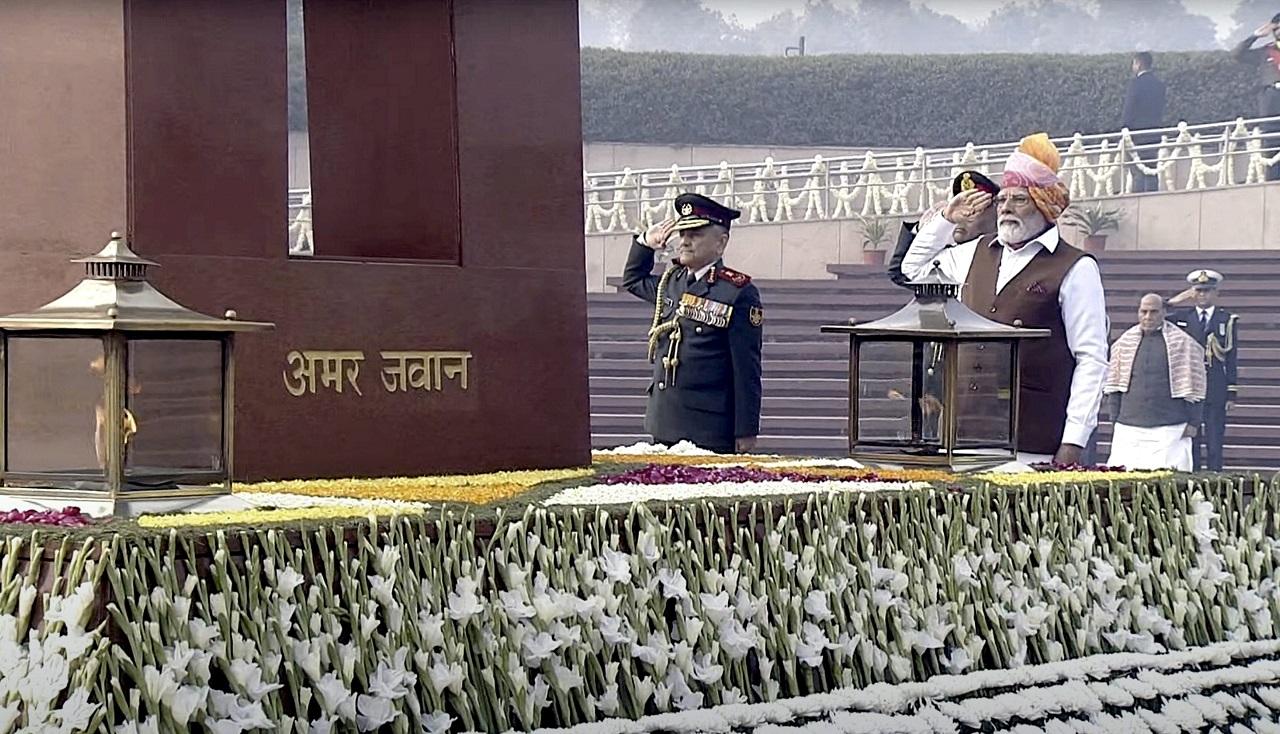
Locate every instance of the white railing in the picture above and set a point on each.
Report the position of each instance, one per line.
(900, 183)
(905, 182)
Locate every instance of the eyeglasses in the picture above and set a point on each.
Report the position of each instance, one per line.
(1014, 199)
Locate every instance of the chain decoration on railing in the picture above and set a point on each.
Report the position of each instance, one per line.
(902, 183)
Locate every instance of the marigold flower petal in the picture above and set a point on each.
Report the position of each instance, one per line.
(292, 514)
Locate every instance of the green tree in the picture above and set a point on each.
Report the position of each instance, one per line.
(604, 23)
(1040, 26)
(1250, 14)
(683, 25)
(899, 26)
(1151, 25)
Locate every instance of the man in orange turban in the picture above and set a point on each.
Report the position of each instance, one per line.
(1026, 275)
(1034, 167)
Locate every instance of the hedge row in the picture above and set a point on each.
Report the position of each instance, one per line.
(887, 100)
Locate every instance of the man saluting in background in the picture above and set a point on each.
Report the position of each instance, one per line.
(1215, 329)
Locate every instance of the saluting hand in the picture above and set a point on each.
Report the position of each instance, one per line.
(1265, 29)
(965, 206)
(1183, 297)
(656, 236)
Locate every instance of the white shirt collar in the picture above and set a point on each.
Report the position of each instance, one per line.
(702, 273)
(1049, 240)
(1207, 311)
(1144, 71)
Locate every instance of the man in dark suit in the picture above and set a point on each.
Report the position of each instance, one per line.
(983, 223)
(1215, 328)
(1144, 110)
(1266, 59)
(706, 337)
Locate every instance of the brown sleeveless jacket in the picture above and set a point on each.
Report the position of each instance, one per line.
(1030, 300)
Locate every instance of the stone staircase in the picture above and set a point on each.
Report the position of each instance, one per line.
(805, 372)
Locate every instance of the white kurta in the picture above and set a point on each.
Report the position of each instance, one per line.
(1160, 447)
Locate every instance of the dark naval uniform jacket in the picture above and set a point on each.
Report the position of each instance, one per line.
(1219, 342)
(705, 347)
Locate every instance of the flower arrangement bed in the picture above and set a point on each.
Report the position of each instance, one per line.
(1230, 686)
(538, 616)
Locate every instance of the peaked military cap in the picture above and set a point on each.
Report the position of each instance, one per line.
(969, 180)
(1204, 278)
(696, 210)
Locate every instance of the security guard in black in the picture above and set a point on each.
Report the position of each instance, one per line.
(705, 338)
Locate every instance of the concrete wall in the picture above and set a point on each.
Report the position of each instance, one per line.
(1242, 218)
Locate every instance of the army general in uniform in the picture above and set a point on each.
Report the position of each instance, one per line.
(705, 339)
(1215, 329)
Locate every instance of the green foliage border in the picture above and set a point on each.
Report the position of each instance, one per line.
(888, 100)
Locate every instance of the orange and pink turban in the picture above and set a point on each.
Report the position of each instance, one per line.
(1034, 166)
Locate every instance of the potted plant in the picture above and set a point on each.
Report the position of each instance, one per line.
(875, 232)
(1094, 222)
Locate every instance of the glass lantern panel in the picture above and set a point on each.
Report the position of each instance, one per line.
(930, 364)
(175, 400)
(884, 391)
(55, 390)
(984, 380)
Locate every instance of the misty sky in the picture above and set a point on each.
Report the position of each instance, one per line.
(750, 12)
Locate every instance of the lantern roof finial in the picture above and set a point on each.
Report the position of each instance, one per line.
(116, 261)
(936, 284)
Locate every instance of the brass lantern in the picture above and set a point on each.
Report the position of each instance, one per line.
(934, 384)
(115, 397)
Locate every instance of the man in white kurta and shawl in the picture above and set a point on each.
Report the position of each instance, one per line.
(1154, 392)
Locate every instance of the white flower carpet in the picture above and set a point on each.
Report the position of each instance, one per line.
(1227, 687)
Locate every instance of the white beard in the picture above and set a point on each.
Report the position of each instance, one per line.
(1017, 232)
